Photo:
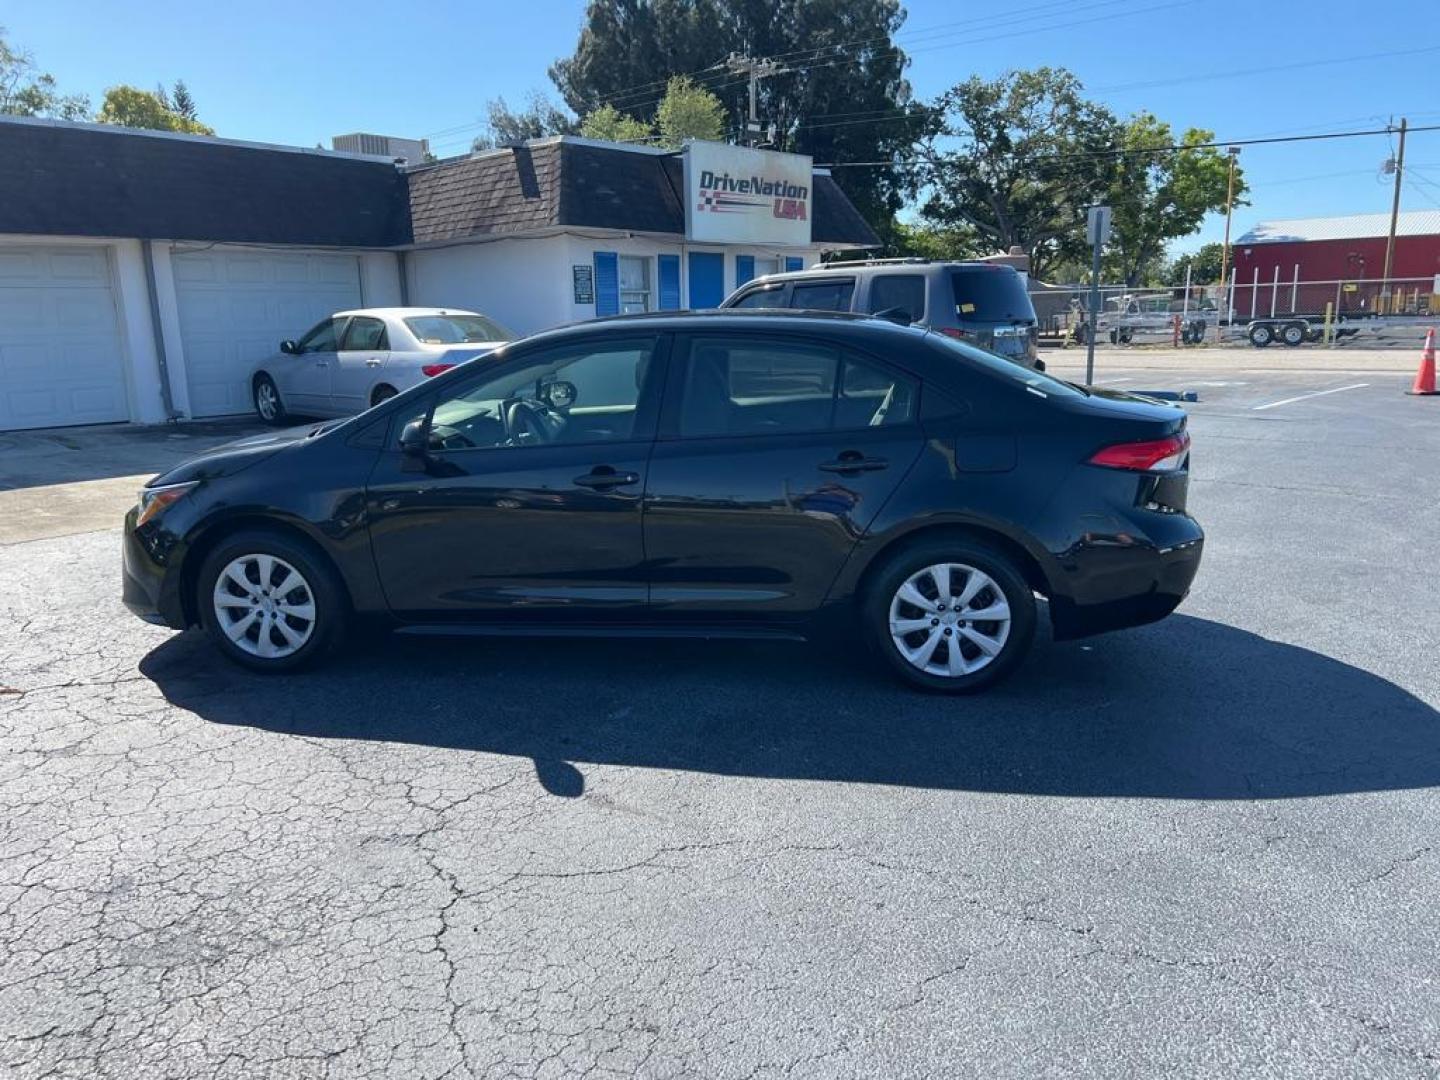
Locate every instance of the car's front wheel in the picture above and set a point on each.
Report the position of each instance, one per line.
(269, 603)
(268, 405)
(950, 615)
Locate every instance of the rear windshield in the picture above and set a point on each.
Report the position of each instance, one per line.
(1037, 382)
(456, 329)
(991, 295)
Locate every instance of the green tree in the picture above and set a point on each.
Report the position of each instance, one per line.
(132, 107)
(25, 90)
(1158, 196)
(841, 94)
(1204, 265)
(921, 240)
(689, 111)
(1018, 159)
(610, 124)
(539, 118)
(182, 101)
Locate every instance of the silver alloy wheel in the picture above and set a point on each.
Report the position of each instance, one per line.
(264, 606)
(267, 401)
(949, 619)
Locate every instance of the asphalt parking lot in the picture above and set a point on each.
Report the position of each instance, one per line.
(1201, 847)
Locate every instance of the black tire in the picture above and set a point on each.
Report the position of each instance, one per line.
(1003, 575)
(1293, 334)
(1261, 335)
(382, 393)
(265, 396)
(326, 596)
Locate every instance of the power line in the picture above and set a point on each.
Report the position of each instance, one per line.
(1269, 69)
(1122, 152)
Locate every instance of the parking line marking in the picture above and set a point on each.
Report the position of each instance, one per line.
(1107, 382)
(1302, 397)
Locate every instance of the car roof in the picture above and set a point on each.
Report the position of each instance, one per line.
(404, 312)
(821, 322)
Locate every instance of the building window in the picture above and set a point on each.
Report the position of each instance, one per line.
(765, 266)
(634, 284)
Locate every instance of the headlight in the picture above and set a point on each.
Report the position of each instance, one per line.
(154, 501)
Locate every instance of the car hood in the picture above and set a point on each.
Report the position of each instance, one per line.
(229, 458)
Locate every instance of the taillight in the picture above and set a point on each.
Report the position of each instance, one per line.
(431, 370)
(955, 332)
(1152, 455)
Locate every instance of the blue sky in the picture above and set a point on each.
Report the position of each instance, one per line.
(300, 72)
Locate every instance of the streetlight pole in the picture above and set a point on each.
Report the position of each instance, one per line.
(1221, 313)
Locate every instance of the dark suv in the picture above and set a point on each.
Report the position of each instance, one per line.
(986, 304)
(698, 475)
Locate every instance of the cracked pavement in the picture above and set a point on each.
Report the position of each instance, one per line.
(1201, 847)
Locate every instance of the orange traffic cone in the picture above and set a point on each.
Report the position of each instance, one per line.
(1425, 376)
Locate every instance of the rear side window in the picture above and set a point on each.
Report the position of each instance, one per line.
(365, 333)
(773, 297)
(757, 386)
(897, 294)
(990, 295)
(831, 295)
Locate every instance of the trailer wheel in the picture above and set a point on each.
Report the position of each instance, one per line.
(1127, 335)
(1314, 335)
(1261, 335)
(1293, 334)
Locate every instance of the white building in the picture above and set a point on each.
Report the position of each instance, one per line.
(143, 273)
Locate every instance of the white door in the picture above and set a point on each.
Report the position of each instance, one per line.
(61, 361)
(237, 305)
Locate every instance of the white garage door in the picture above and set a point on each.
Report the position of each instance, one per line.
(237, 306)
(61, 361)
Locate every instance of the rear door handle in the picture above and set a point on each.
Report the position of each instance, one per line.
(852, 461)
(603, 476)
(374, 361)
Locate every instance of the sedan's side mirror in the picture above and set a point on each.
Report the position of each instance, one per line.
(415, 438)
(290, 347)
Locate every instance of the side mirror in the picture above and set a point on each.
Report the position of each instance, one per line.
(414, 446)
(290, 347)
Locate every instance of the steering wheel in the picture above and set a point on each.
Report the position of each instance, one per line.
(528, 418)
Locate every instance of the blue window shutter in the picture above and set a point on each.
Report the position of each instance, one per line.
(707, 279)
(794, 262)
(744, 269)
(669, 282)
(607, 283)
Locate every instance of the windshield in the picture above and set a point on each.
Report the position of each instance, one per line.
(1037, 382)
(992, 294)
(456, 329)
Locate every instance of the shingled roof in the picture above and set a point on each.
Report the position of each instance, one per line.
(568, 183)
(63, 179)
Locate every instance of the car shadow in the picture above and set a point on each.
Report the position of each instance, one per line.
(1183, 709)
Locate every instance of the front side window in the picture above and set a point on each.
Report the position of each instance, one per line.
(323, 335)
(831, 295)
(898, 295)
(365, 334)
(579, 394)
(634, 284)
(757, 386)
(456, 329)
(773, 297)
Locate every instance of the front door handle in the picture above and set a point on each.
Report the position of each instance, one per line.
(603, 476)
(374, 361)
(852, 461)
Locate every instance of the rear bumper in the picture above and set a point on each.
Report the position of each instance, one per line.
(1134, 587)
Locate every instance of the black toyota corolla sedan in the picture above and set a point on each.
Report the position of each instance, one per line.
(690, 475)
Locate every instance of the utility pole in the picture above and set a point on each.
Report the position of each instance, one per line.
(1399, 164)
(755, 70)
(1222, 312)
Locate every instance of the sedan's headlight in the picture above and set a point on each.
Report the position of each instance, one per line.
(154, 501)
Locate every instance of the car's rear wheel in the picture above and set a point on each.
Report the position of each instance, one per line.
(268, 405)
(950, 615)
(269, 602)
(382, 393)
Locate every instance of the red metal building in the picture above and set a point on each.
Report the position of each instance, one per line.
(1299, 265)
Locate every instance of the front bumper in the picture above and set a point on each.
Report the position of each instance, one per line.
(149, 575)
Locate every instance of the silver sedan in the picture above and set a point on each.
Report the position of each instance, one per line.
(355, 359)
